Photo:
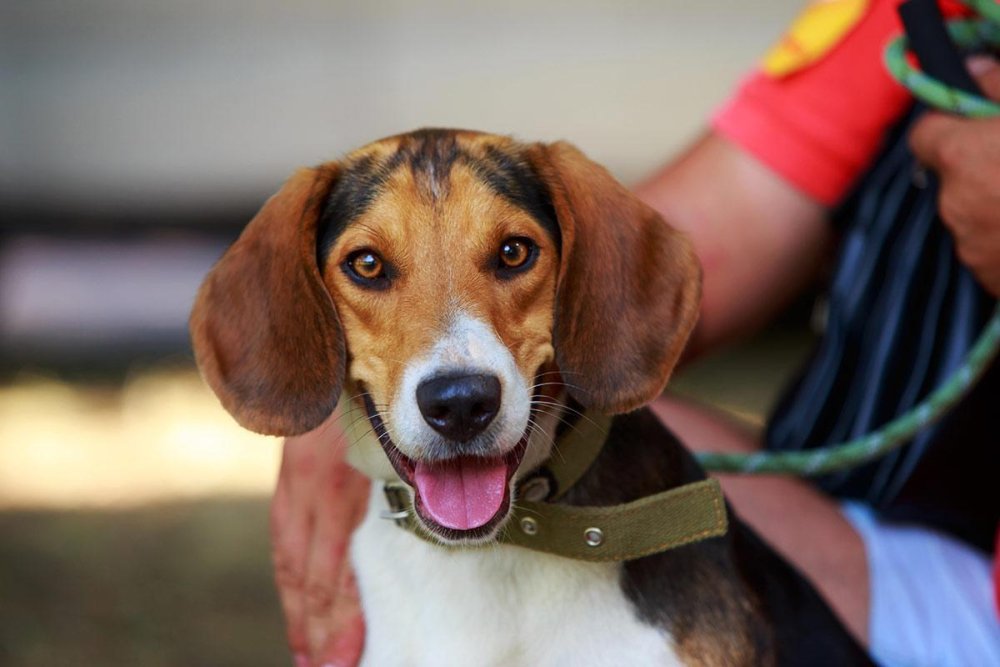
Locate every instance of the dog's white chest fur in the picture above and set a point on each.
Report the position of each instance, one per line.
(426, 605)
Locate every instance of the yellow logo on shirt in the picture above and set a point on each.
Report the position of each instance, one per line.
(817, 29)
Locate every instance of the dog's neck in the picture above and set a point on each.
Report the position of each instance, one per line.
(630, 526)
(639, 458)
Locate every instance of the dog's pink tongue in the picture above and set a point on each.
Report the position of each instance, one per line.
(462, 493)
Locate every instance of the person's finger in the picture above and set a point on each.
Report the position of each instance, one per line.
(340, 493)
(280, 508)
(930, 139)
(291, 528)
(986, 71)
(345, 644)
(933, 138)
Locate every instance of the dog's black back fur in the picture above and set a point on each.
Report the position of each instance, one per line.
(729, 600)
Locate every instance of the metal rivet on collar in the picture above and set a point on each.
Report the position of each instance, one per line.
(529, 526)
(594, 537)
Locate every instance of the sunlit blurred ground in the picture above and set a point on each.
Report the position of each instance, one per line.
(133, 527)
(179, 584)
(160, 436)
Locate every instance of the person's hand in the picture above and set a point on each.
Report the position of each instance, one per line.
(318, 503)
(965, 153)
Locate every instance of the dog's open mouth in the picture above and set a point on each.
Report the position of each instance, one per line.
(464, 497)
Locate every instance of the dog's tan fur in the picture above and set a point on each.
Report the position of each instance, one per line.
(444, 250)
(613, 309)
(279, 329)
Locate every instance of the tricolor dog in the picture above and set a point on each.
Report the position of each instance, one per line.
(477, 301)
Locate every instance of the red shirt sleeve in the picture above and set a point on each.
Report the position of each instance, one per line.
(820, 126)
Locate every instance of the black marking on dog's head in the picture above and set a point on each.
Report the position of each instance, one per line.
(360, 184)
(511, 177)
(431, 154)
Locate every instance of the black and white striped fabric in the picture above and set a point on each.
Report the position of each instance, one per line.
(902, 314)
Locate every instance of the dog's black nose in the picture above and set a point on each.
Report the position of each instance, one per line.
(459, 407)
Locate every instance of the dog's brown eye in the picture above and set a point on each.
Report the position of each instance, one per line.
(367, 265)
(367, 269)
(516, 253)
(513, 253)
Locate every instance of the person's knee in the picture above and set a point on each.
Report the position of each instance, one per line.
(703, 428)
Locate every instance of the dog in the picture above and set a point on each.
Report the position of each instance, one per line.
(471, 296)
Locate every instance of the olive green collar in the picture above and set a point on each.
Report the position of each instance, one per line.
(649, 525)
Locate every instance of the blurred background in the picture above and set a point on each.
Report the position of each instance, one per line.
(136, 139)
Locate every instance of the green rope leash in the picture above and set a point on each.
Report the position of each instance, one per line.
(882, 441)
(968, 34)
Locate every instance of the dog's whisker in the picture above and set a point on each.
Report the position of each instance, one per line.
(571, 410)
(551, 442)
(357, 440)
(550, 412)
(570, 385)
(548, 439)
(546, 384)
(357, 421)
(339, 421)
(559, 372)
(562, 407)
(559, 419)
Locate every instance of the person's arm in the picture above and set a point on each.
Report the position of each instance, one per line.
(318, 502)
(796, 134)
(760, 240)
(794, 137)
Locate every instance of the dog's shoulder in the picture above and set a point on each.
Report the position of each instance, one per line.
(806, 631)
(691, 591)
(771, 615)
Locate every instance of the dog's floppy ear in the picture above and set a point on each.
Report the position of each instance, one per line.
(629, 285)
(265, 332)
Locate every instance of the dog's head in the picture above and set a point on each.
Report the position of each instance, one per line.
(454, 285)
